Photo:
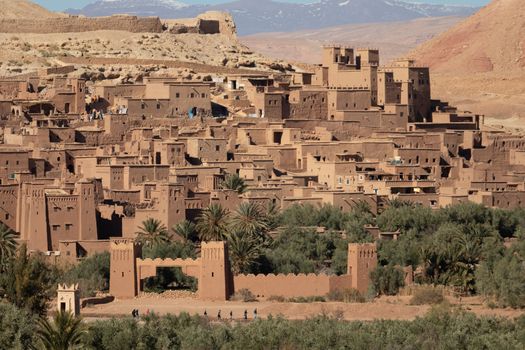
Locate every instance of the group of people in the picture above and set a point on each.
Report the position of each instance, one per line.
(135, 314)
(245, 314)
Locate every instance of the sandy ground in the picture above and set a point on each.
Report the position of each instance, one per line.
(392, 308)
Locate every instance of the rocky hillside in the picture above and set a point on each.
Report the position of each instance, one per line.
(256, 16)
(491, 40)
(92, 45)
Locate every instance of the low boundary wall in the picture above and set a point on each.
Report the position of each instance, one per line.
(301, 285)
(75, 24)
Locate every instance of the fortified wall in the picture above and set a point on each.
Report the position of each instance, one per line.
(215, 278)
(75, 24)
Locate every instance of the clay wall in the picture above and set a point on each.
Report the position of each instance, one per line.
(62, 135)
(142, 173)
(13, 161)
(8, 205)
(184, 97)
(308, 104)
(207, 149)
(62, 218)
(149, 108)
(508, 200)
(74, 24)
(348, 100)
(289, 286)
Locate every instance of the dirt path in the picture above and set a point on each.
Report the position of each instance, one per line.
(393, 308)
(198, 67)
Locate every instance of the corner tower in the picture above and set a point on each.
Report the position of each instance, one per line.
(123, 267)
(216, 280)
(362, 259)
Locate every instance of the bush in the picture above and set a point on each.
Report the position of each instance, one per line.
(17, 327)
(387, 280)
(244, 295)
(170, 278)
(427, 296)
(92, 274)
(311, 299)
(277, 298)
(346, 295)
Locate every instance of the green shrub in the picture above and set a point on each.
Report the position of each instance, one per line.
(346, 295)
(277, 298)
(386, 280)
(92, 274)
(427, 296)
(310, 299)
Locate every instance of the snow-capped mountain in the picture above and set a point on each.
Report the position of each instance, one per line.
(132, 7)
(255, 16)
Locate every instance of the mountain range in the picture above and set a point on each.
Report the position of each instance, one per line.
(258, 16)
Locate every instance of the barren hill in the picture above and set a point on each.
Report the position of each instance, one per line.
(479, 64)
(393, 39)
(18, 9)
(493, 39)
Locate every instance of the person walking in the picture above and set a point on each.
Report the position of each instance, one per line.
(231, 315)
(245, 315)
(205, 314)
(255, 314)
(219, 315)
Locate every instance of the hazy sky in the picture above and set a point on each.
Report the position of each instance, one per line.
(63, 4)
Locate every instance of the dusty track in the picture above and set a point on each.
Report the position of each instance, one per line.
(392, 308)
(198, 67)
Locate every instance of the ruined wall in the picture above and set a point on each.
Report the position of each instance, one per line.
(291, 285)
(74, 24)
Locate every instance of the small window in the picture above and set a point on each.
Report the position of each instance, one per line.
(68, 227)
(217, 148)
(177, 95)
(56, 227)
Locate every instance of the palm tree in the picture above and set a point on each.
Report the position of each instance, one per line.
(272, 216)
(153, 232)
(362, 207)
(64, 333)
(185, 230)
(249, 219)
(399, 203)
(244, 250)
(212, 224)
(8, 245)
(234, 182)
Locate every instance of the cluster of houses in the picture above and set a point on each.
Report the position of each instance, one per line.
(83, 162)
